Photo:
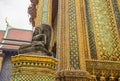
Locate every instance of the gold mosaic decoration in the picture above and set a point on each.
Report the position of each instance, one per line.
(73, 34)
(33, 68)
(93, 52)
(105, 29)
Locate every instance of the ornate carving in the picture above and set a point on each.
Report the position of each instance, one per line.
(104, 69)
(32, 11)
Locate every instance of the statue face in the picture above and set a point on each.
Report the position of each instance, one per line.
(37, 31)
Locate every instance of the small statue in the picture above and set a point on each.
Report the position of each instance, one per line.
(40, 41)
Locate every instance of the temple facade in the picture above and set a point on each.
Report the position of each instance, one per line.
(86, 37)
(74, 40)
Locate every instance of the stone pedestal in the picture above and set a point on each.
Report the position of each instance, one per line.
(33, 68)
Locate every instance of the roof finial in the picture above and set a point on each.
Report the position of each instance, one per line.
(7, 24)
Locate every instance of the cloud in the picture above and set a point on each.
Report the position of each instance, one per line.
(16, 12)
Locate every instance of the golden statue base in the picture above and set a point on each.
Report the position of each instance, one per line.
(33, 68)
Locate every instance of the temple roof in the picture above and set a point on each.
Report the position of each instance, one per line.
(2, 32)
(12, 38)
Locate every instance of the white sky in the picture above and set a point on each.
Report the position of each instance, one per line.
(16, 13)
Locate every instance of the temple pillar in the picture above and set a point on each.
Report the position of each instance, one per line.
(1, 60)
(43, 12)
(70, 42)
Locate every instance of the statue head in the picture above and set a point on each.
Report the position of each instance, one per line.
(43, 30)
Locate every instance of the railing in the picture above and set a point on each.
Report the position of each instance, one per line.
(103, 70)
